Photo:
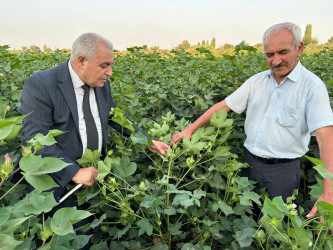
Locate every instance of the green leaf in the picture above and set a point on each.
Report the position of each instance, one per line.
(183, 199)
(89, 157)
(301, 236)
(11, 121)
(218, 119)
(222, 151)
(170, 211)
(159, 246)
(8, 242)
(245, 237)
(275, 207)
(119, 118)
(35, 203)
(330, 82)
(150, 202)
(40, 182)
(243, 181)
(69, 241)
(173, 190)
(326, 211)
(198, 194)
(207, 222)
(277, 231)
(9, 132)
(139, 138)
(125, 168)
(317, 189)
(174, 228)
(62, 220)
(192, 145)
(252, 196)
(37, 165)
(11, 225)
(226, 209)
(46, 140)
(3, 109)
(103, 170)
(96, 222)
(145, 227)
(321, 169)
(315, 161)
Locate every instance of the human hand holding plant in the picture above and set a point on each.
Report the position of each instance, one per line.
(324, 197)
(159, 147)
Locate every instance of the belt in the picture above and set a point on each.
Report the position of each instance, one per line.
(272, 160)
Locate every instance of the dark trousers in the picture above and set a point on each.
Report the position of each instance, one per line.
(280, 179)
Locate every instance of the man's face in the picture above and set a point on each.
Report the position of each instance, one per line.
(281, 53)
(94, 72)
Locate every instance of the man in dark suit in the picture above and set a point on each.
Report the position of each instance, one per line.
(55, 99)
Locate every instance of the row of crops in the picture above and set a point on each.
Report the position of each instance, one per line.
(192, 199)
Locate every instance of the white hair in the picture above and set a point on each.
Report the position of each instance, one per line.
(293, 28)
(86, 45)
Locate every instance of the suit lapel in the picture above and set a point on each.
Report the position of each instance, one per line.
(103, 109)
(66, 86)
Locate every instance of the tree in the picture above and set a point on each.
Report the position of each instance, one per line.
(307, 38)
(184, 45)
(24, 48)
(203, 43)
(330, 40)
(228, 46)
(35, 49)
(46, 49)
(213, 42)
(307, 35)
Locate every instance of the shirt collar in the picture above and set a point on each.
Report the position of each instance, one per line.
(77, 82)
(293, 75)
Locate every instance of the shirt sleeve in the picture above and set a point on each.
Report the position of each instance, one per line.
(318, 109)
(238, 100)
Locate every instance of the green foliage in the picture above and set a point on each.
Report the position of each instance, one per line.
(192, 199)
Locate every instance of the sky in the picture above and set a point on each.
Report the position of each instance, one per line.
(163, 23)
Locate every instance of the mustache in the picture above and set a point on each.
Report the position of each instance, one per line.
(279, 65)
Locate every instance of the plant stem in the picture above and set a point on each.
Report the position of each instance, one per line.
(11, 188)
(48, 246)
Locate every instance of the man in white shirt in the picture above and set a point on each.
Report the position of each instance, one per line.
(284, 107)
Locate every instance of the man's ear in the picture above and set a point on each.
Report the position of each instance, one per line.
(81, 60)
(300, 49)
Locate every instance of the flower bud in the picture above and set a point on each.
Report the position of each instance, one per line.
(26, 151)
(6, 168)
(38, 147)
(142, 186)
(260, 235)
(189, 161)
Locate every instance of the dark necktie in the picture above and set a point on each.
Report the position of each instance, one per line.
(92, 134)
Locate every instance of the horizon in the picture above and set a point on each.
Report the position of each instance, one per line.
(56, 23)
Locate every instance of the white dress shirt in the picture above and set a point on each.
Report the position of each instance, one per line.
(79, 92)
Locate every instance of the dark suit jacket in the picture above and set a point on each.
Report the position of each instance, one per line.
(50, 99)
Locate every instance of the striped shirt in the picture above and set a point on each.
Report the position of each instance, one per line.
(280, 118)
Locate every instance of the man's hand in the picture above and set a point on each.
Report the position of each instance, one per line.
(159, 147)
(86, 176)
(180, 135)
(314, 210)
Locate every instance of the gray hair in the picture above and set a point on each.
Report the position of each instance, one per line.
(293, 28)
(86, 45)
